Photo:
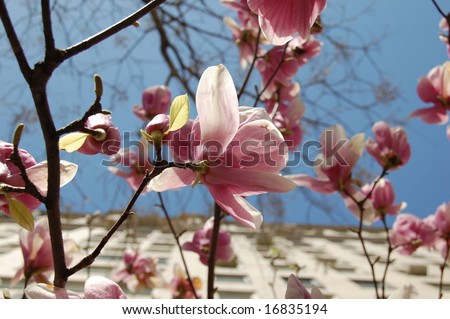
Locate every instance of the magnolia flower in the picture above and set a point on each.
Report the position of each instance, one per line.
(443, 25)
(138, 273)
(131, 165)
(390, 148)
(180, 286)
(37, 254)
(440, 221)
(234, 152)
(10, 175)
(435, 89)
(280, 21)
(95, 287)
(37, 173)
(410, 232)
(247, 18)
(296, 290)
(382, 197)
(287, 120)
(201, 243)
(155, 100)
(107, 140)
(333, 168)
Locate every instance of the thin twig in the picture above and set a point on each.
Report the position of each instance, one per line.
(47, 26)
(388, 257)
(250, 70)
(177, 239)
(110, 31)
(88, 260)
(443, 266)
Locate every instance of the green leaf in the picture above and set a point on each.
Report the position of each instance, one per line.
(179, 113)
(146, 135)
(73, 141)
(21, 214)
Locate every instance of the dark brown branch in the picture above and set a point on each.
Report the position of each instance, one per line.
(110, 31)
(88, 260)
(212, 251)
(250, 70)
(14, 41)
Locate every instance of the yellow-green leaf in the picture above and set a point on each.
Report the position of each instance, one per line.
(73, 141)
(179, 113)
(21, 214)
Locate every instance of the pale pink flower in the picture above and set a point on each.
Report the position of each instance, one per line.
(180, 286)
(333, 168)
(230, 151)
(131, 165)
(245, 40)
(201, 243)
(435, 89)
(410, 232)
(304, 50)
(108, 139)
(442, 219)
(287, 120)
(37, 173)
(10, 175)
(155, 100)
(443, 25)
(95, 287)
(296, 290)
(383, 197)
(138, 273)
(247, 18)
(37, 254)
(280, 21)
(391, 148)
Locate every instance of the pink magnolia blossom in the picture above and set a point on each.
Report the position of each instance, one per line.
(155, 100)
(180, 286)
(247, 18)
(159, 123)
(410, 232)
(108, 139)
(95, 287)
(440, 221)
(333, 168)
(201, 243)
(10, 175)
(131, 165)
(245, 39)
(37, 254)
(234, 151)
(382, 197)
(435, 89)
(280, 21)
(391, 148)
(443, 25)
(36, 172)
(296, 290)
(138, 273)
(287, 120)
(305, 49)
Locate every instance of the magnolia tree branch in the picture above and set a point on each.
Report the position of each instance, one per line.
(47, 26)
(212, 250)
(110, 31)
(443, 266)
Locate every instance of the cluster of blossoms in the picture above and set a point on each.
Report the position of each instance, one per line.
(335, 165)
(138, 273)
(410, 232)
(278, 64)
(435, 89)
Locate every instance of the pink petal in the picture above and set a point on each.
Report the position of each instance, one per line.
(295, 289)
(426, 91)
(172, 178)
(217, 107)
(38, 174)
(249, 180)
(236, 206)
(432, 115)
(323, 186)
(44, 291)
(98, 287)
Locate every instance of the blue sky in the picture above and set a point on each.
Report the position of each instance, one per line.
(409, 49)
